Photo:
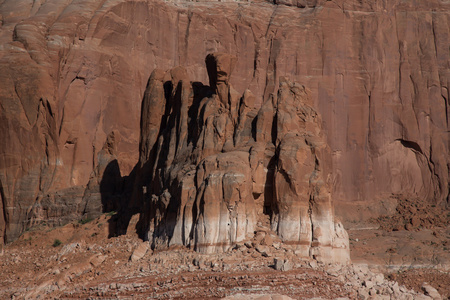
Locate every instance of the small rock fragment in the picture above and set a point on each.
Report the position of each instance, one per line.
(97, 260)
(431, 291)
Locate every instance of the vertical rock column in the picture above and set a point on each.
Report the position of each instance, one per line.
(301, 191)
(217, 164)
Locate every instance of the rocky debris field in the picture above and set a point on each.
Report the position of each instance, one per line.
(79, 261)
(413, 214)
(411, 258)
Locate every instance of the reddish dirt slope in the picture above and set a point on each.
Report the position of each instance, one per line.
(88, 264)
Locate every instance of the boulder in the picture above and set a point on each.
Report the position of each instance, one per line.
(140, 251)
(431, 291)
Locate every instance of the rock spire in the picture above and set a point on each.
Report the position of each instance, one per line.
(215, 165)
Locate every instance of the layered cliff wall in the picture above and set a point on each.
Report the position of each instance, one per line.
(72, 72)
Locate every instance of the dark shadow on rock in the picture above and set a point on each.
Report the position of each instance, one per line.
(153, 176)
(270, 205)
(201, 91)
(115, 192)
(211, 67)
(143, 190)
(111, 187)
(144, 185)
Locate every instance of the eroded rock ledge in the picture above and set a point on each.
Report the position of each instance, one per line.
(214, 165)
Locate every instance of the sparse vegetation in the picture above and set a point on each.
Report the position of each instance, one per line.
(85, 220)
(111, 213)
(56, 243)
(392, 250)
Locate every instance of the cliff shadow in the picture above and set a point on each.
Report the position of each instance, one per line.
(115, 191)
(270, 204)
(141, 192)
(159, 198)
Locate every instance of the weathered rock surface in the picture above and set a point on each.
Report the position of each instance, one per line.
(220, 162)
(74, 71)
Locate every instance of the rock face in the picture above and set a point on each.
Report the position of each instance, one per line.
(74, 71)
(217, 163)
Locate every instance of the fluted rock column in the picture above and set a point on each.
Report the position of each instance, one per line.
(220, 163)
(302, 195)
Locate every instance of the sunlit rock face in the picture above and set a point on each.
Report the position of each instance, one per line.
(72, 72)
(213, 162)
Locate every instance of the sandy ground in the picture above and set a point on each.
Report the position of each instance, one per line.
(79, 261)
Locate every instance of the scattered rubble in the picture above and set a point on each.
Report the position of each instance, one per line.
(93, 266)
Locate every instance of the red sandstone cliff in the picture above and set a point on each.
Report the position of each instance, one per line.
(72, 72)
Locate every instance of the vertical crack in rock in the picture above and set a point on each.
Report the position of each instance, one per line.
(213, 164)
(49, 138)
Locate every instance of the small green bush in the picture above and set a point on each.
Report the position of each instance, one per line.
(56, 243)
(84, 221)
